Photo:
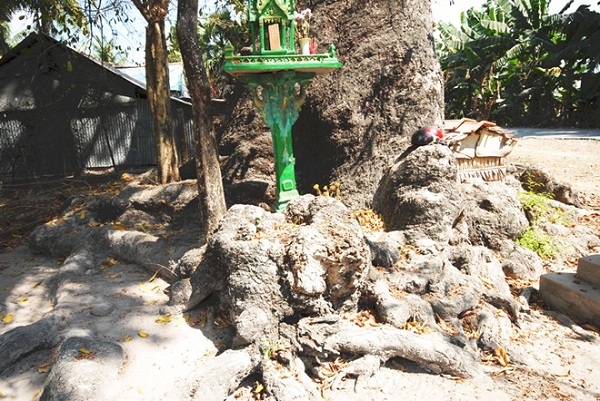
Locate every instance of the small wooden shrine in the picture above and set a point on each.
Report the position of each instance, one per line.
(480, 147)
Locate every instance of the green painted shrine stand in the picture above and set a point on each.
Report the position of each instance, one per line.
(277, 78)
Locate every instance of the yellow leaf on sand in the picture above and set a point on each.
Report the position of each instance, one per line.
(7, 319)
(164, 319)
(22, 301)
(503, 358)
(128, 338)
(143, 334)
(259, 388)
(85, 351)
(143, 288)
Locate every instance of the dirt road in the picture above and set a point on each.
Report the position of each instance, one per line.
(575, 161)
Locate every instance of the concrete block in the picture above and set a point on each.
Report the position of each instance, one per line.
(572, 296)
(588, 269)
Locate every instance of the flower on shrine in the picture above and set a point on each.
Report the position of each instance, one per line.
(303, 23)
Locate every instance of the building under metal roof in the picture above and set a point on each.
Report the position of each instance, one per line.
(62, 112)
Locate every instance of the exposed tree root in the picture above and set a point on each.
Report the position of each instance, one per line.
(22, 341)
(219, 377)
(85, 369)
(431, 351)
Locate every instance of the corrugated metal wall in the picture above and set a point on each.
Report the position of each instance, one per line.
(115, 135)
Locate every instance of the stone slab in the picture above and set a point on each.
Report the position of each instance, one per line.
(570, 295)
(588, 269)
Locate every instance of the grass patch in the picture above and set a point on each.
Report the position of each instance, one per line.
(535, 239)
(539, 209)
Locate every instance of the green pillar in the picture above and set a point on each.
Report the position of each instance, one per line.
(278, 97)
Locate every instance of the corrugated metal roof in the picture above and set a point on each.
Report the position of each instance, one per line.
(32, 38)
(176, 77)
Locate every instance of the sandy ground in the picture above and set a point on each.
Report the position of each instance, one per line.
(575, 161)
(550, 361)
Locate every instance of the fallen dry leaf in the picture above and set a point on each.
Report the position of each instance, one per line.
(362, 319)
(486, 282)
(417, 327)
(118, 226)
(143, 334)
(397, 365)
(221, 322)
(128, 338)
(258, 387)
(85, 351)
(369, 220)
(163, 319)
(566, 374)
(43, 367)
(501, 355)
(153, 277)
(7, 319)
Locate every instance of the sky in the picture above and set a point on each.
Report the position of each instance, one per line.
(442, 11)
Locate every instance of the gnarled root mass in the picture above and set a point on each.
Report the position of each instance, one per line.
(312, 297)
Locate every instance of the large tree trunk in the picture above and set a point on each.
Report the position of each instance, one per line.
(210, 183)
(157, 81)
(358, 119)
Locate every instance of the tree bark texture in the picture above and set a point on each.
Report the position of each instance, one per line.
(210, 183)
(157, 84)
(358, 119)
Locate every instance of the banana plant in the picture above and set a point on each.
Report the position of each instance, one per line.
(513, 62)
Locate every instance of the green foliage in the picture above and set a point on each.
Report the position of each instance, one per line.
(215, 31)
(107, 51)
(539, 209)
(535, 239)
(536, 203)
(270, 348)
(226, 24)
(513, 63)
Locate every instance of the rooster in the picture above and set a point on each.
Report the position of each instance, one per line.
(427, 135)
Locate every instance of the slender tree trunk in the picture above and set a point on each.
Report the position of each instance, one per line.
(210, 183)
(157, 81)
